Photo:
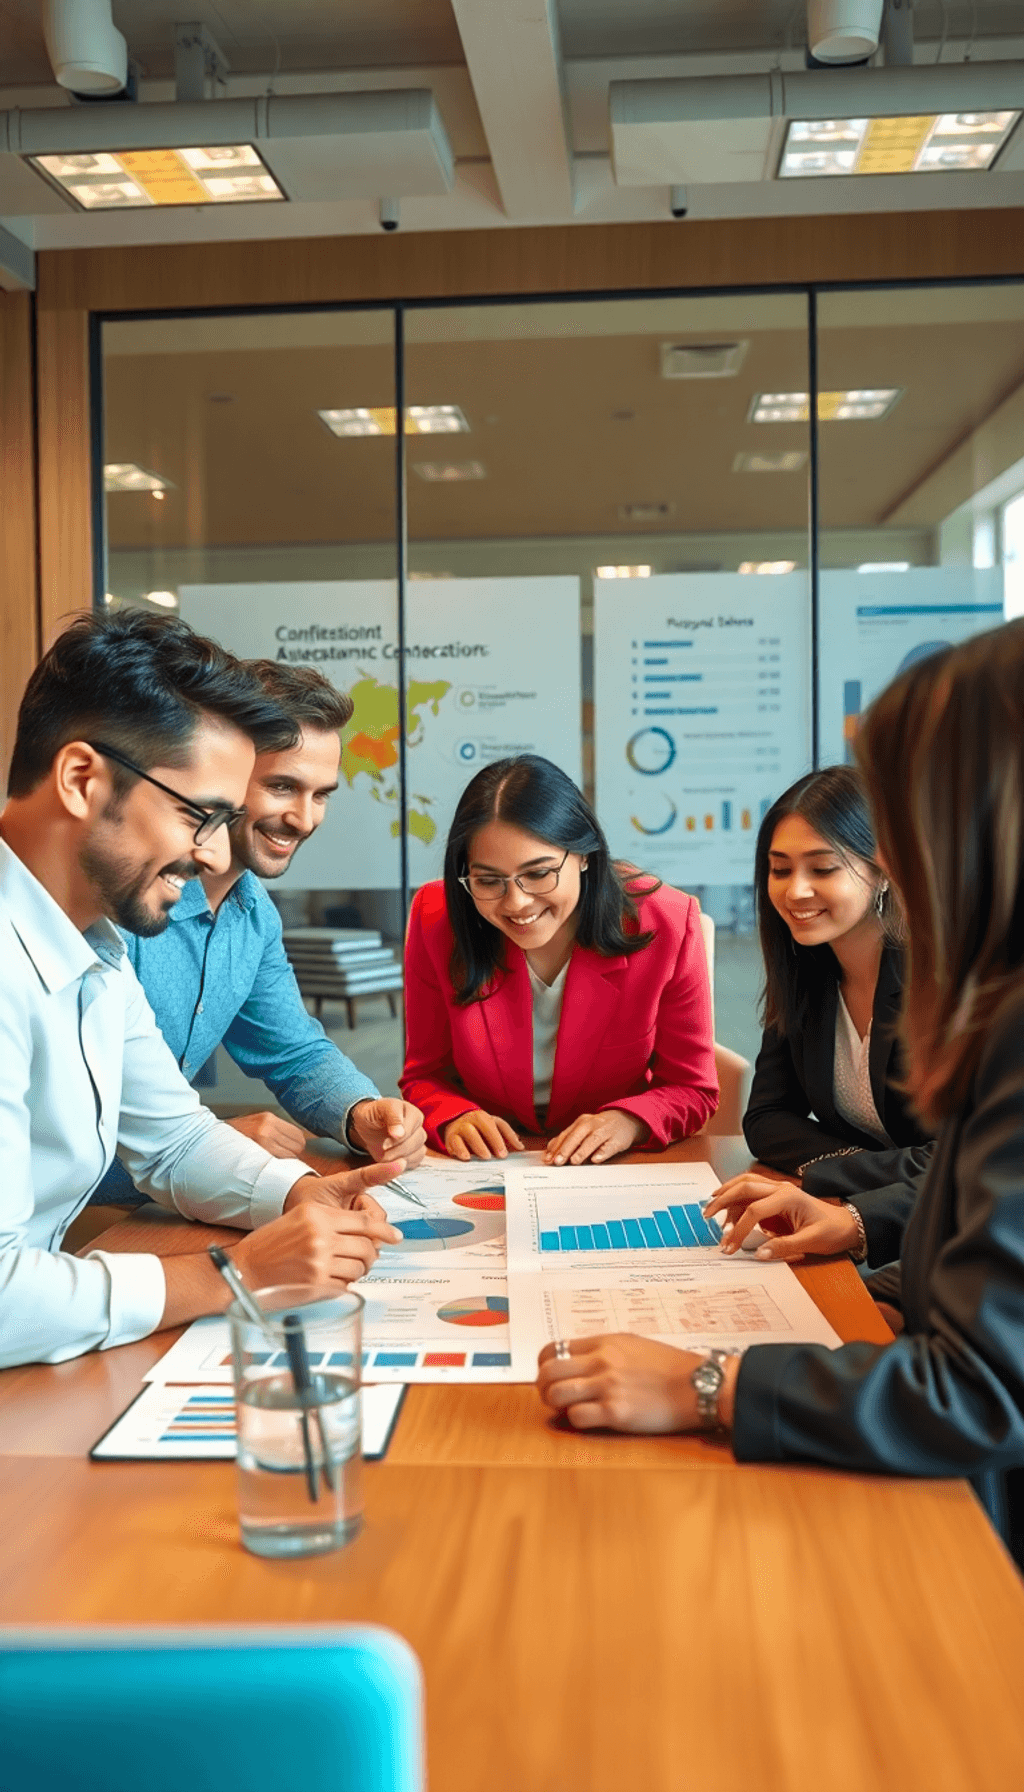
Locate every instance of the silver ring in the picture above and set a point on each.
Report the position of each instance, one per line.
(562, 1349)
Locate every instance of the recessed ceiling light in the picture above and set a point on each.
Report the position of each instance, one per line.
(125, 476)
(119, 180)
(884, 566)
(165, 600)
(623, 572)
(918, 144)
(379, 420)
(768, 566)
(789, 462)
(702, 360)
(856, 404)
(440, 472)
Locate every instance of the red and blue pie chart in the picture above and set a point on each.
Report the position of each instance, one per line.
(476, 1309)
(482, 1200)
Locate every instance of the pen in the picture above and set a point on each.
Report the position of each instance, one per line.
(400, 1189)
(249, 1305)
(296, 1348)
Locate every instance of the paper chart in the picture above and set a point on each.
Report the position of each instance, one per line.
(197, 1424)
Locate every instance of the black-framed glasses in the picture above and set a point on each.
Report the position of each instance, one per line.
(489, 886)
(209, 819)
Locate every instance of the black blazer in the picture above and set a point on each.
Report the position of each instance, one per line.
(793, 1078)
(947, 1398)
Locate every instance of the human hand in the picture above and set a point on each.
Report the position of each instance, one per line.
(314, 1246)
(798, 1224)
(282, 1138)
(626, 1383)
(349, 1190)
(477, 1134)
(596, 1137)
(388, 1128)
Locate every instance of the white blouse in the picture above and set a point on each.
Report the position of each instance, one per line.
(547, 1011)
(851, 1082)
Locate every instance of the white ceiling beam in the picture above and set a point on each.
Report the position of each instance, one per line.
(512, 53)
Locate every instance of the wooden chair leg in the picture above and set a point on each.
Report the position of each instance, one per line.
(391, 1005)
(350, 1005)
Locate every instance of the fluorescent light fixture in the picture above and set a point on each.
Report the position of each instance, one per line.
(125, 476)
(441, 472)
(379, 420)
(856, 404)
(120, 180)
(884, 566)
(789, 462)
(768, 566)
(917, 144)
(623, 572)
(165, 600)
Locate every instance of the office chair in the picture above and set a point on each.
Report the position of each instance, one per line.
(191, 1708)
(733, 1069)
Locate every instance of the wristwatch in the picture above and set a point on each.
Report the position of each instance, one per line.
(707, 1381)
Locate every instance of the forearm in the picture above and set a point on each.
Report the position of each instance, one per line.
(194, 1288)
(208, 1171)
(784, 1140)
(319, 1092)
(670, 1112)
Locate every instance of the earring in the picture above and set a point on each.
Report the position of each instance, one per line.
(880, 895)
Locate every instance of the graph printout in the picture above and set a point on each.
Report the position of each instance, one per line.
(189, 1424)
(419, 1325)
(702, 699)
(625, 1248)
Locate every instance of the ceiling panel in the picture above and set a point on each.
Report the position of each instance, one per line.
(596, 28)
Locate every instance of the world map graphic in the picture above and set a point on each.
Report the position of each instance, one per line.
(370, 744)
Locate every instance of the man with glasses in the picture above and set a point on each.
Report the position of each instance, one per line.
(135, 743)
(218, 974)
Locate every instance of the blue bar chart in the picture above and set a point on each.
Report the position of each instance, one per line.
(672, 1227)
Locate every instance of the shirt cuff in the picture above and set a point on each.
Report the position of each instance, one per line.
(272, 1188)
(138, 1295)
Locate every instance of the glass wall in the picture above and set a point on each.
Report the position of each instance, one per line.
(607, 509)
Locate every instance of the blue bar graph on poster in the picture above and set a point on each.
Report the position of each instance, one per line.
(667, 1228)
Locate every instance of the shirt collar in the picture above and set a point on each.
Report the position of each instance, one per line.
(60, 951)
(193, 900)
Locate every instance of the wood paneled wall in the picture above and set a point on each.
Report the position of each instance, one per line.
(638, 257)
(19, 598)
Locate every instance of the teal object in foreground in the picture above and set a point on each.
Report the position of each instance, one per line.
(324, 1708)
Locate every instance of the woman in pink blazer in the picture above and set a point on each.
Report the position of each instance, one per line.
(550, 990)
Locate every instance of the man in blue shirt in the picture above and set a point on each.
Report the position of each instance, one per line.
(218, 974)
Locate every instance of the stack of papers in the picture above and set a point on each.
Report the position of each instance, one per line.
(502, 1258)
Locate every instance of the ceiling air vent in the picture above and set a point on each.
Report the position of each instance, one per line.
(651, 511)
(701, 360)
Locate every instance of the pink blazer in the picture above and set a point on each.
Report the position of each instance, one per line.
(635, 1031)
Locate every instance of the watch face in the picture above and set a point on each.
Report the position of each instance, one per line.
(707, 1378)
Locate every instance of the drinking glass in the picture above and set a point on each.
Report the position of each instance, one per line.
(299, 1422)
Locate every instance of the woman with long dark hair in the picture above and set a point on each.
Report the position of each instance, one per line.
(947, 1396)
(549, 989)
(831, 939)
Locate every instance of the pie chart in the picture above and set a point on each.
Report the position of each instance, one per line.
(476, 1309)
(433, 1234)
(483, 1200)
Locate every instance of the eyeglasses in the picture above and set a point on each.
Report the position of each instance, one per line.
(488, 886)
(209, 819)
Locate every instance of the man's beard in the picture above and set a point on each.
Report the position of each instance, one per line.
(121, 887)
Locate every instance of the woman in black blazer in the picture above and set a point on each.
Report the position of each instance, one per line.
(946, 1398)
(830, 934)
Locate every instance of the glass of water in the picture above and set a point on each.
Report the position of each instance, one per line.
(299, 1422)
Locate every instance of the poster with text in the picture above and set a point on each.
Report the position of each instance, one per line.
(492, 668)
(873, 625)
(702, 707)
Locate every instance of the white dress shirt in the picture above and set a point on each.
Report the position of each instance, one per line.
(84, 1070)
(547, 1012)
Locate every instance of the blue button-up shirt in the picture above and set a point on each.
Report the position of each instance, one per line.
(224, 979)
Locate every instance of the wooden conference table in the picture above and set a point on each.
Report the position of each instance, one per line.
(593, 1613)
